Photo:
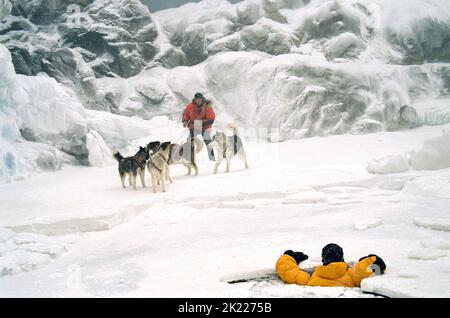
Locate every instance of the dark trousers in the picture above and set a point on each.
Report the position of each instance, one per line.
(206, 135)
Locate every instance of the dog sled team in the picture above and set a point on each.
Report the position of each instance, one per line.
(157, 156)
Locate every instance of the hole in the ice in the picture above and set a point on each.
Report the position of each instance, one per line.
(261, 278)
(265, 277)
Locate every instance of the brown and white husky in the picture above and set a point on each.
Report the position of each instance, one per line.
(158, 167)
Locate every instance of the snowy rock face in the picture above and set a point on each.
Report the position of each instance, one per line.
(334, 18)
(194, 44)
(123, 47)
(5, 8)
(44, 11)
(427, 41)
(8, 127)
(41, 125)
(323, 67)
(345, 45)
(48, 114)
(330, 67)
(73, 40)
(99, 152)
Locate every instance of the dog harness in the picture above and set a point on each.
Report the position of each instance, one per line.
(162, 156)
(153, 164)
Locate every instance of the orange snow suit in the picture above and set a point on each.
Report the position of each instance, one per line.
(332, 275)
(205, 113)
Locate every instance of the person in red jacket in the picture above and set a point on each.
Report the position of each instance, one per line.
(199, 117)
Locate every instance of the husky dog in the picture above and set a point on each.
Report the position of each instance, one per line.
(135, 165)
(227, 147)
(158, 167)
(186, 154)
(153, 147)
(132, 166)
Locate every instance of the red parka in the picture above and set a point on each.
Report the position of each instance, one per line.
(205, 113)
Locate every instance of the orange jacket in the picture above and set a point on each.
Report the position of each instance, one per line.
(205, 113)
(332, 275)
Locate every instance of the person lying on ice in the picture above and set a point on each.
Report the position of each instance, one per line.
(199, 117)
(334, 272)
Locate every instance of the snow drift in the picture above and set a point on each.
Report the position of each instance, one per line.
(433, 155)
(42, 126)
(5, 8)
(389, 164)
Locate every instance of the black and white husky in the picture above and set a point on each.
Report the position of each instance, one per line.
(135, 165)
(226, 147)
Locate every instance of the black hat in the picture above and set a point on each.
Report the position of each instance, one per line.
(198, 95)
(332, 253)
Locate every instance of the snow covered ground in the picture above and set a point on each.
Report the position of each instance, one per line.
(76, 232)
